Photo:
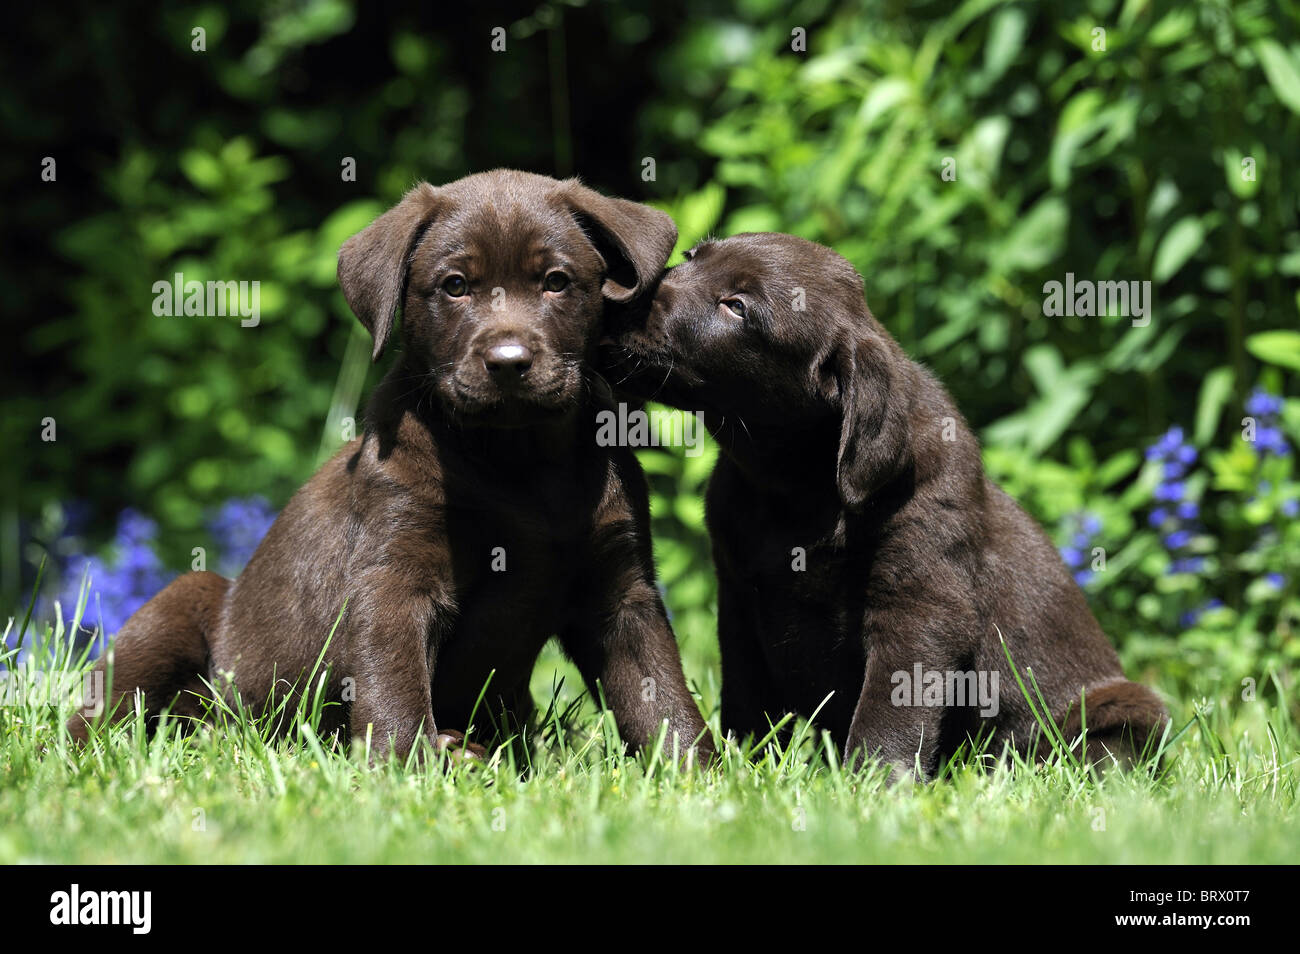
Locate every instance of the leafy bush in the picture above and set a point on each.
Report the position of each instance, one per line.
(962, 159)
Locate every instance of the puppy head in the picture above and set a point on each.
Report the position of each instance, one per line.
(774, 331)
(502, 278)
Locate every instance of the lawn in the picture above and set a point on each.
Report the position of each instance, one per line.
(1228, 795)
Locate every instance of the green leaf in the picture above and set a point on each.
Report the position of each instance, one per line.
(754, 218)
(347, 220)
(1076, 126)
(1037, 239)
(1216, 389)
(202, 169)
(982, 147)
(884, 96)
(1173, 28)
(1282, 72)
(1006, 37)
(690, 511)
(1281, 348)
(1043, 362)
(1117, 468)
(1179, 244)
(1064, 393)
(1050, 418)
(1234, 166)
(697, 214)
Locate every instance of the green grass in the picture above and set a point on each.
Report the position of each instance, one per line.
(227, 795)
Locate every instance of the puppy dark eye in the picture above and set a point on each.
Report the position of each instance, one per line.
(556, 282)
(455, 286)
(735, 306)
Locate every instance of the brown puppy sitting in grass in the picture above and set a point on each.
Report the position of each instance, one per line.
(861, 552)
(475, 519)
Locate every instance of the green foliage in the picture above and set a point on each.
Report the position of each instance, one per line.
(235, 403)
(961, 157)
(227, 164)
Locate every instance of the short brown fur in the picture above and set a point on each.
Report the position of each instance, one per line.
(479, 448)
(837, 446)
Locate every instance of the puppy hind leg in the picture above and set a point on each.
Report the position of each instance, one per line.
(1124, 721)
(162, 651)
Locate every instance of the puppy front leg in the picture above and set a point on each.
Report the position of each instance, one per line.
(629, 649)
(391, 656)
(751, 703)
(900, 732)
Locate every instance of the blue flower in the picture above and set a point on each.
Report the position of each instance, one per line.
(1269, 440)
(1192, 617)
(1266, 408)
(1171, 492)
(1177, 515)
(117, 587)
(1262, 404)
(1191, 564)
(134, 528)
(1086, 527)
(238, 527)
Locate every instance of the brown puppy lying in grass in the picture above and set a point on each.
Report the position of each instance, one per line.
(861, 551)
(476, 518)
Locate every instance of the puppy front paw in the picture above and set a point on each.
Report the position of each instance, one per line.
(458, 748)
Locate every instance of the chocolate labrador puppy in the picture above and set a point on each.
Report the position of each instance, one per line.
(476, 517)
(861, 551)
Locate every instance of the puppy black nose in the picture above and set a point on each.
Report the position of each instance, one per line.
(510, 359)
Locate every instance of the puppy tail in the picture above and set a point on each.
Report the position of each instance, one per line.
(162, 651)
(1124, 721)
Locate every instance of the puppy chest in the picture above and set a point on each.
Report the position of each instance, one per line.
(512, 566)
(805, 607)
(801, 569)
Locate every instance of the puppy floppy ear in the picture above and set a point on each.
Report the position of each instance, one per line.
(633, 239)
(373, 263)
(875, 435)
